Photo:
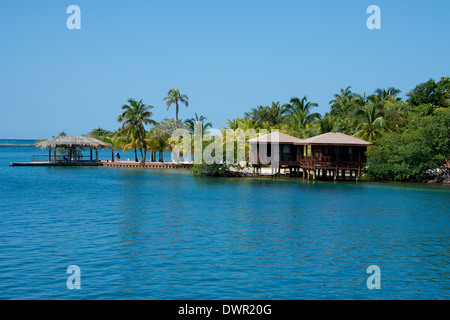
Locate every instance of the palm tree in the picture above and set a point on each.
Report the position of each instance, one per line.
(302, 105)
(114, 141)
(175, 97)
(359, 100)
(372, 123)
(232, 124)
(134, 117)
(327, 124)
(342, 102)
(299, 117)
(197, 121)
(277, 112)
(158, 144)
(248, 124)
(391, 92)
(130, 142)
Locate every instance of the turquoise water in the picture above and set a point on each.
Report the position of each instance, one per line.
(16, 142)
(164, 234)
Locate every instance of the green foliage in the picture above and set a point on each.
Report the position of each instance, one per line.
(431, 93)
(166, 127)
(175, 97)
(215, 170)
(191, 124)
(299, 117)
(135, 115)
(101, 134)
(371, 122)
(410, 155)
(423, 110)
(273, 115)
(159, 138)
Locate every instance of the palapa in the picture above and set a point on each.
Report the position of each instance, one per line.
(72, 142)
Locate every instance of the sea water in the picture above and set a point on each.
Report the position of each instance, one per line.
(164, 234)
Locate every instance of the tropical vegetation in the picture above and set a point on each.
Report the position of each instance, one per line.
(411, 136)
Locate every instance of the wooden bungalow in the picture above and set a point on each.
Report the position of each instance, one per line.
(332, 154)
(288, 152)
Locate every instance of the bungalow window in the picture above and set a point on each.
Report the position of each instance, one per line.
(286, 153)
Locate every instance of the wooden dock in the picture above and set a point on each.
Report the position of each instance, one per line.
(56, 164)
(117, 164)
(132, 164)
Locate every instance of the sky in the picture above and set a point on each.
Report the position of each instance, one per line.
(227, 56)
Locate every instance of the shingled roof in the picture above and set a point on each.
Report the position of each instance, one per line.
(275, 137)
(334, 138)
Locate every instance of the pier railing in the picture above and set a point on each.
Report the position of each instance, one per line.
(59, 158)
(326, 162)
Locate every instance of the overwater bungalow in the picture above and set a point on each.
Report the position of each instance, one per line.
(288, 152)
(333, 154)
(327, 155)
(72, 144)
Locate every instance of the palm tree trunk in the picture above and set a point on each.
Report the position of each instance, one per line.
(135, 155)
(176, 114)
(112, 154)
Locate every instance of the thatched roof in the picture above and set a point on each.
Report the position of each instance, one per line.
(276, 137)
(334, 138)
(72, 142)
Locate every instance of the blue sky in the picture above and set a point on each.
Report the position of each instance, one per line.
(227, 56)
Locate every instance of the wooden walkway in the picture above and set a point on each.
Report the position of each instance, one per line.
(56, 164)
(117, 164)
(132, 164)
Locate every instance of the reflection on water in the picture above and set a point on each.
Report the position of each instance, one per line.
(163, 234)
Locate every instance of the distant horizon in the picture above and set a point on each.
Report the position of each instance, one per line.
(402, 95)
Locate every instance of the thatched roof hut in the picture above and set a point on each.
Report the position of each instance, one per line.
(72, 142)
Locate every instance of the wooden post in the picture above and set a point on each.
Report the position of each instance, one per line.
(91, 153)
(337, 164)
(96, 154)
(50, 155)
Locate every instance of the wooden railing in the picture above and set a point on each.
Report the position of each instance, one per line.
(59, 158)
(326, 162)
